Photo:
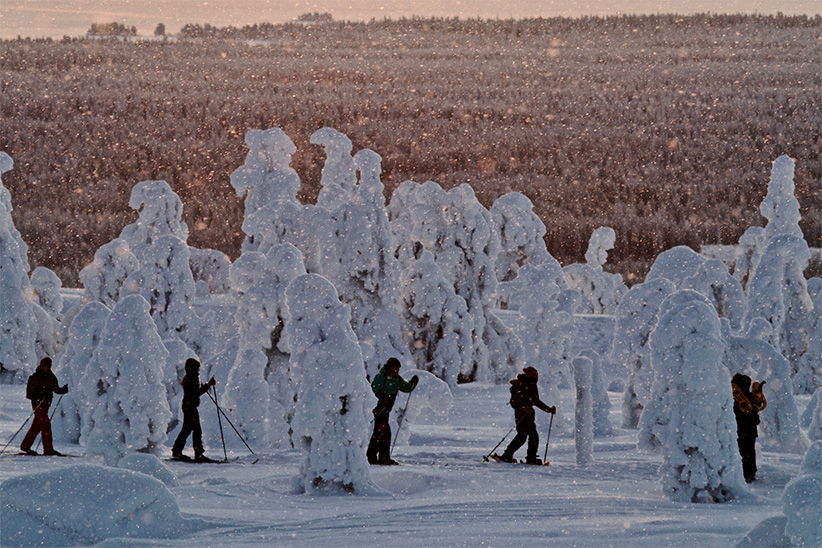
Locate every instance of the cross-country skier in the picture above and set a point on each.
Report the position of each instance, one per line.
(385, 385)
(192, 390)
(748, 402)
(41, 384)
(524, 396)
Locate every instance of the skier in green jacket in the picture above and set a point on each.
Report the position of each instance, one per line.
(385, 385)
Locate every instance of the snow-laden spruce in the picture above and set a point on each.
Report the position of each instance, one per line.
(690, 414)
(360, 244)
(266, 178)
(521, 234)
(123, 384)
(161, 212)
(809, 366)
(258, 392)
(713, 280)
(333, 396)
(70, 367)
(459, 232)
(18, 323)
(601, 291)
(103, 279)
(778, 293)
(636, 317)
(437, 325)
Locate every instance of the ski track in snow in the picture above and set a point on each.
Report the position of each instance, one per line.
(443, 494)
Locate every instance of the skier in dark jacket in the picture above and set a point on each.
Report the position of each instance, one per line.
(385, 385)
(748, 402)
(192, 390)
(41, 384)
(524, 396)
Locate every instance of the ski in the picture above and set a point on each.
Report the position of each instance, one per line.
(497, 458)
(22, 454)
(206, 460)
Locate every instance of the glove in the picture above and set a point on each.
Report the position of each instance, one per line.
(64, 387)
(415, 380)
(212, 382)
(552, 410)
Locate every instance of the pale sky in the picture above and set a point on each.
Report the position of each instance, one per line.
(55, 18)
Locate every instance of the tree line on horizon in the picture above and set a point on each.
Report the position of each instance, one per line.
(661, 127)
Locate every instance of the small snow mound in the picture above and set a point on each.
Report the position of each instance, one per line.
(86, 504)
(149, 465)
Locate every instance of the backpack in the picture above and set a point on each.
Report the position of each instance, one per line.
(518, 398)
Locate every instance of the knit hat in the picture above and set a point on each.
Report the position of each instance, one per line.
(531, 372)
(393, 362)
(192, 365)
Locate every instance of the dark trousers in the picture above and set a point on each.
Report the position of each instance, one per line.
(379, 448)
(191, 425)
(41, 425)
(526, 430)
(747, 450)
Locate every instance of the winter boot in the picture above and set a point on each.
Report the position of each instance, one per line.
(29, 451)
(533, 460)
(505, 457)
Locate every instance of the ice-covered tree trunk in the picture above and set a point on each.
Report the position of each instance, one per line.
(599, 396)
(601, 291)
(333, 397)
(18, 324)
(690, 414)
(636, 317)
(127, 407)
(583, 412)
(70, 367)
(437, 325)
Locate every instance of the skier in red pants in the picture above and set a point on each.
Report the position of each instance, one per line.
(39, 390)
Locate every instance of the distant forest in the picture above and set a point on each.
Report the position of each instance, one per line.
(661, 127)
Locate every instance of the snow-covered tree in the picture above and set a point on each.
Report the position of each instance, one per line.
(70, 367)
(104, 278)
(361, 264)
(161, 212)
(265, 178)
(166, 282)
(521, 234)
(259, 283)
(713, 280)
(751, 246)
(778, 292)
(123, 385)
(601, 291)
(780, 206)
(431, 393)
(18, 323)
(802, 502)
(636, 318)
(814, 411)
(437, 324)
(333, 396)
(751, 355)
(691, 409)
(677, 265)
(459, 232)
(808, 376)
(545, 325)
(339, 175)
(210, 269)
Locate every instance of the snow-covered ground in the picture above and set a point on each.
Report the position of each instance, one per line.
(442, 495)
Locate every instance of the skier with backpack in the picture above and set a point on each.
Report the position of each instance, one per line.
(524, 396)
(748, 402)
(41, 384)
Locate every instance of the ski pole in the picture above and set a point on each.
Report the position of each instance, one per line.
(503, 439)
(53, 411)
(21, 426)
(548, 439)
(399, 424)
(220, 422)
(220, 409)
